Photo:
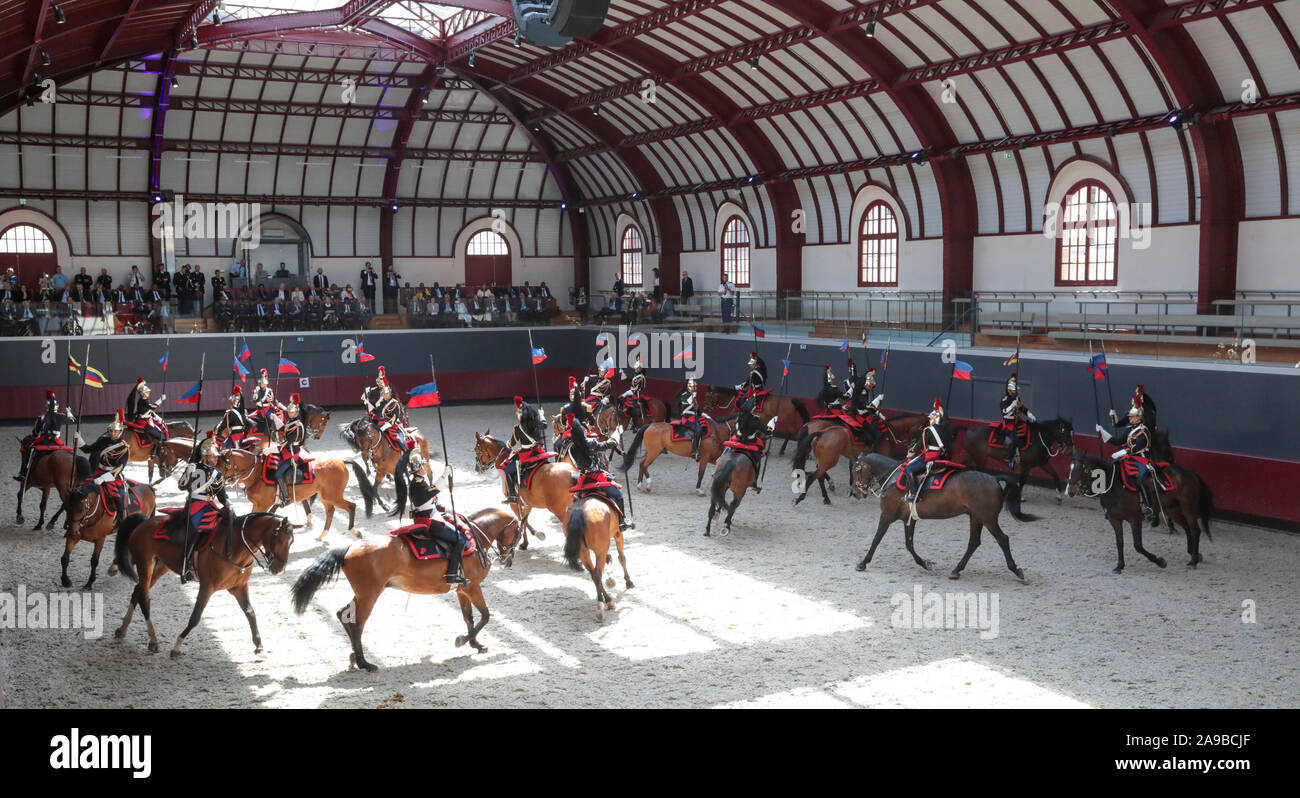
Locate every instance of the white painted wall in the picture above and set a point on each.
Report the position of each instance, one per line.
(1267, 254)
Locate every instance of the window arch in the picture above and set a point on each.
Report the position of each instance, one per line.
(1087, 245)
(735, 252)
(878, 246)
(26, 239)
(633, 254)
(487, 242)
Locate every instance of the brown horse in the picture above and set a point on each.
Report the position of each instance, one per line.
(790, 413)
(548, 488)
(737, 474)
(365, 438)
(174, 451)
(244, 468)
(226, 564)
(316, 419)
(89, 520)
(592, 522)
(55, 471)
(1190, 504)
(827, 441)
(1046, 440)
(658, 439)
(375, 564)
(658, 411)
(971, 492)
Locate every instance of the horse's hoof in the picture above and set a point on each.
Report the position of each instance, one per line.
(600, 610)
(955, 575)
(862, 566)
(699, 492)
(154, 648)
(118, 634)
(176, 652)
(65, 581)
(927, 565)
(629, 584)
(461, 640)
(1060, 497)
(86, 587)
(112, 569)
(259, 650)
(1160, 561)
(539, 535)
(827, 501)
(610, 605)
(1119, 569)
(1019, 572)
(609, 583)
(479, 648)
(369, 668)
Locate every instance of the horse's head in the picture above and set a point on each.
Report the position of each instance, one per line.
(1160, 448)
(865, 477)
(719, 397)
(486, 451)
(1087, 475)
(77, 507)
(1060, 432)
(317, 418)
(277, 544)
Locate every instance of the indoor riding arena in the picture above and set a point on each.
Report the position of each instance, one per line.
(394, 327)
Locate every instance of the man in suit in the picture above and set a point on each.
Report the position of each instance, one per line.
(319, 281)
(369, 279)
(104, 280)
(218, 283)
(688, 287)
(83, 281)
(392, 282)
(543, 291)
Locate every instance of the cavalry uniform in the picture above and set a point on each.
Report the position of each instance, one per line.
(750, 434)
(266, 411)
(430, 520)
(830, 395)
(688, 412)
(295, 435)
(1136, 454)
(851, 384)
(143, 414)
(933, 447)
(756, 380)
(1143, 400)
(47, 435)
(600, 391)
(389, 416)
(592, 479)
(867, 408)
(633, 404)
(1014, 426)
(373, 396)
(108, 458)
(206, 505)
(233, 426)
(578, 408)
(526, 448)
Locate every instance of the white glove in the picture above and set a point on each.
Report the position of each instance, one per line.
(1119, 454)
(876, 402)
(1032, 417)
(771, 424)
(1114, 419)
(80, 441)
(162, 398)
(71, 418)
(1105, 436)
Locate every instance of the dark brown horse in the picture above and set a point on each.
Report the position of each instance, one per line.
(736, 473)
(56, 471)
(172, 452)
(548, 488)
(790, 413)
(330, 479)
(374, 564)
(1046, 440)
(316, 419)
(592, 523)
(89, 520)
(827, 441)
(226, 564)
(658, 439)
(365, 437)
(1190, 504)
(968, 492)
(658, 411)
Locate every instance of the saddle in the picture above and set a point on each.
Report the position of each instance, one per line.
(940, 470)
(109, 491)
(1020, 427)
(759, 397)
(423, 547)
(42, 447)
(1129, 468)
(680, 430)
(306, 474)
(173, 529)
(754, 451)
(142, 437)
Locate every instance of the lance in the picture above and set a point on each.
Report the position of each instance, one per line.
(81, 406)
(537, 387)
(67, 396)
(1109, 396)
(190, 471)
(446, 453)
(1096, 403)
(785, 373)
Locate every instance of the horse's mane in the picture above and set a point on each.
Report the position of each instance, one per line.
(311, 408)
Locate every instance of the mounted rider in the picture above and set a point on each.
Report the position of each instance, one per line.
(600, 391)
(1136, 454)
(868, 408)
(427, 513)
(372, 396)
(592, 478)
(934, 447)
(142, 414)
(233, 425)
(108, 456)
(388, 413)
(688, 412)
(207, 503)
(526, 447)
(578, 407)
(47, 435)
(751, 433)
(1148, 406)
(851, 384)
(267, 412)
(631, 400)
(1014, 425)
(291, 460)
(830, 395)
(756, 380)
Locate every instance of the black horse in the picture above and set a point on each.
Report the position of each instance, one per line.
(1046, 440)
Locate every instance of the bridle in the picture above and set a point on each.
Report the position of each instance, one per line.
(265, 562)
(87, 518)
(721, 405)
(1083, 491)
(480, 453)
(228, 473)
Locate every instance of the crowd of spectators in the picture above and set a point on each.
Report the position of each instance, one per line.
(478, 306)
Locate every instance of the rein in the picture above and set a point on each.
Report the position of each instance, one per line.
(1109, 484)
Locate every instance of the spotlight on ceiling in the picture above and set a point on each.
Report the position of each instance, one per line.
(595, 109)
(157, 197)
(392, 206)
(564, 206)
(194, 40)
(919, 157)
(59, 16)
(472, 53)
(519, 40)
(45, 58)
(424, 96)
(1175, 118)
(176, 84)
(871, 25)
(216, 19)
(753, 62)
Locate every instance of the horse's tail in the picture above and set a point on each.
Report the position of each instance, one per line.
(1011, 497)
(349, 434)
(721, 479)
(122, 547)
(575, 529)
(1205, 509)
(81, 467)
(630, 456)
(324, 570)
(803, 449)
(801, 409)
(403, 490)
(368, 494)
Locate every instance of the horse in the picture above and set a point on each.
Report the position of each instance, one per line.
(1046, 440)
(827, 441)
(658, 439)
(244, 468)
(974, 493)
(737, 474)
(657, 410)
(373, 565)
(365, 438)
(790, 413)
(57, 470)
(548, 487)
(1190, 503)
(89, 520)
(315, 418)
(592, 522)
(173, 451)
(226, 564)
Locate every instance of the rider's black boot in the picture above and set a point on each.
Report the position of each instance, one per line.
(453, 576)
(695, 446)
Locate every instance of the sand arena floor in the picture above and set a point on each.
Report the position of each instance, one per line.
(773, 615)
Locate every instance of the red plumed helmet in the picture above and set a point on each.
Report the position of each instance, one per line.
(850, 362)
(139, 380)
(826, 367)
(410, 444)
(871, 370)
(237, 390)
(937, 405)
(264, 372)
(609, 375)
(754, 355)
(296, 399)
(212, 433)
(49, 394)
(382, 375)
(519, 402)
(1140, 391)
(121, 416)
(568, 419)
(573, 382)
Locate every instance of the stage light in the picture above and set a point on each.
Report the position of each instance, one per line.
(753, 62)
(519, 40)
(595, 109)
(194, 40)
(59, 16)
(176, 84)
(216, 19)
(45, 58)
(471, 58)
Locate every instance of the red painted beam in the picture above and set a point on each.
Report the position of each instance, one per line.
(414, 103)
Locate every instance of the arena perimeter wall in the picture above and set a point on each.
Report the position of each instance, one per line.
(1230, 423)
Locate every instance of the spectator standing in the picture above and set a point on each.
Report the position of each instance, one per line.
(105, 281)
(319, 282)
(392, 282)
(688, 288)
(218, 284)
(369, 279)
(727, 293)
(261, 275)
(135, 279)
(656, 292)
(58, 280)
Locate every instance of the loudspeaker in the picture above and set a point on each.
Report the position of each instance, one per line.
(579, 19)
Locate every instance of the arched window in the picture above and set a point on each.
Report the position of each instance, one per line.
(25, 238)
(878, 246)
(735, 252)
(1087, 244)
(487, 242)
(632, 252)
